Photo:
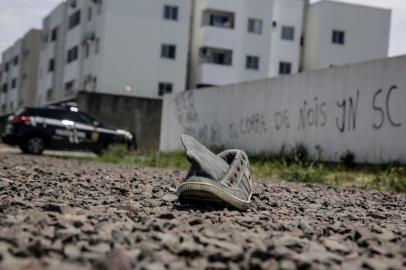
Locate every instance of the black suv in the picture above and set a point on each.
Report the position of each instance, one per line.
(61, 128)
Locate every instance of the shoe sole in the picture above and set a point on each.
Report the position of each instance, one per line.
(209, 192)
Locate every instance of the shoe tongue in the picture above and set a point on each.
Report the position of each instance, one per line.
(208, 163)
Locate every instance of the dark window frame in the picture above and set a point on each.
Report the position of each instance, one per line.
(16, 60)
(72, 55)
(171, 12)
(54, 34)
(168, 51)
(74, 19)
(252, 62)
(285, 68)
(164, 88)
(51, 65)
(288, 33)
(69, 85)
(5, 88)
(338, 37)
(14, 83)
(251, 28)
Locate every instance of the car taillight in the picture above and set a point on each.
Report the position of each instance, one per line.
(21, 119)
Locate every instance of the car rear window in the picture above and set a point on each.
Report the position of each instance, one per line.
(46, 113)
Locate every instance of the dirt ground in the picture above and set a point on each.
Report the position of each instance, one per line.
(68, 214)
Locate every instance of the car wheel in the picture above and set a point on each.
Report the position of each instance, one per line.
(34, 145)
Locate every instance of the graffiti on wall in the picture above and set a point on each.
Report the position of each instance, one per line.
(311, 114)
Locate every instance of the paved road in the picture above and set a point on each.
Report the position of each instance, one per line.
(68, 214)
(5, 149)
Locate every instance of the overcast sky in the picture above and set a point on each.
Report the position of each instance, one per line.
(18, 16)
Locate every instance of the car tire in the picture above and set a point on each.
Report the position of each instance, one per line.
(34, 145)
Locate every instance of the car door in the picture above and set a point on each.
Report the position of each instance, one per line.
(53, 122)
(85, 133)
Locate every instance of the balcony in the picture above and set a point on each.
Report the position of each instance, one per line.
(217, 18)
(212, 74)
(216, 56)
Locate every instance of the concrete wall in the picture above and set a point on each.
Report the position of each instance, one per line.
(358, 107)
(141, 116)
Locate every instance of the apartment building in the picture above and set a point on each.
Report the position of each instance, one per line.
(244, 40)
(126, 47)
(254, 39)
(339, 33)
(18, 73)
(149, 48)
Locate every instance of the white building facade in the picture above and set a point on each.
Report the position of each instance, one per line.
(244, 40)
(149, 48)
(340, 33)
(18, 73)
(254, 39)
(126, 47)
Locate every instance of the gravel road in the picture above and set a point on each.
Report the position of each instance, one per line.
(70, 214)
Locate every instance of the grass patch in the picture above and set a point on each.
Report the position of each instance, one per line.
(121, 155)
(294, 166)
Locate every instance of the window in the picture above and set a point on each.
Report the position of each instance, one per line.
(171, 13)
(72, 54)
(168, 51)
(5, 88)
(13, 83)
(94, 84)
(51, 65)
(69, 85)
(97, 45)
(288, 33)
(74, 19)
(6, 66)
(54, 34)
(89, 14)
(255, 26)
(338, 37)
(216, 56)
(87, 50)
(285, 68)
(85, 118)
(99, 7)
(165, 88)
(50, 94)
(79, 118)
(252, 62)
(221, 21)
(15, 60)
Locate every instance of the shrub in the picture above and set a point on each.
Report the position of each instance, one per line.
(115, 154)
(347, 159)
(300, 153)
